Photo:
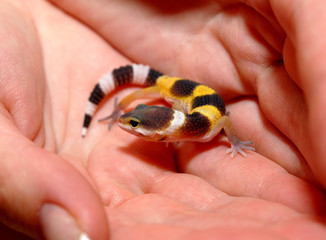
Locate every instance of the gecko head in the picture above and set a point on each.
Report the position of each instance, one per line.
(147, 122)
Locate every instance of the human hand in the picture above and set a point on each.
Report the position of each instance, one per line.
(263, 195)
(43, 186)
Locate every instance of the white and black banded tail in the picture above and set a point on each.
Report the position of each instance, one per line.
(137, 74)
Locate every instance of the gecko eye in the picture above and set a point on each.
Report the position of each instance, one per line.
(134, 123)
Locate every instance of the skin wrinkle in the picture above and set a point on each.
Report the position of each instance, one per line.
(61, 144)
(294, 118)
(261, 83)
(236, 64)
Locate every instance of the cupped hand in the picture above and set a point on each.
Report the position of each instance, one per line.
(255, 54)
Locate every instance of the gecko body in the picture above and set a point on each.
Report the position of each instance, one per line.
(197, 114)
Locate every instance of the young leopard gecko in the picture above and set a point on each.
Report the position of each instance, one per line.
(197, 114)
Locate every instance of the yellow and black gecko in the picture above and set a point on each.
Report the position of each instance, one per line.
(197, 114)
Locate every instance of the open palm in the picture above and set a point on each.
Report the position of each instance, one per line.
(112, 181)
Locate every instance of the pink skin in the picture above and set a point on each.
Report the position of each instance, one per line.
(51, 57)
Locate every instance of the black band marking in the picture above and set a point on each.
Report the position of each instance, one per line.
(122, 75)
(87, 120)
(212, 100)
(97, 95)
(196, 125)
(153, 75)
(183, 88)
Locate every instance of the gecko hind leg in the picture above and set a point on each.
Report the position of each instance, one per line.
(114, 116)
(237, 146)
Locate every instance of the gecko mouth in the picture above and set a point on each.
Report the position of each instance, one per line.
(130, 130)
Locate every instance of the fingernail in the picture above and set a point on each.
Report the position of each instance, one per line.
(57, 224)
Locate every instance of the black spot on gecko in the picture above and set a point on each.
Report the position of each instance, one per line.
(162, 139)
(87, 120)
(183, 87)
(153, 75)
(212, 100)
(122, 75)
(195, 125)
(96, 95)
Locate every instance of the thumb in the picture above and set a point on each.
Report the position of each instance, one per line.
(42, 195)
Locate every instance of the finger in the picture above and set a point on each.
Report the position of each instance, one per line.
(20, 87)
(33, 179)
(203, 30)
(282, 104)
(303, 22)
(41, 192)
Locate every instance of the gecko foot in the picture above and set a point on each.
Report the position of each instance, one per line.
(238, 147)
(114, 116)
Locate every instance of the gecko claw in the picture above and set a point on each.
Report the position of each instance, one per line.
(239, 146)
